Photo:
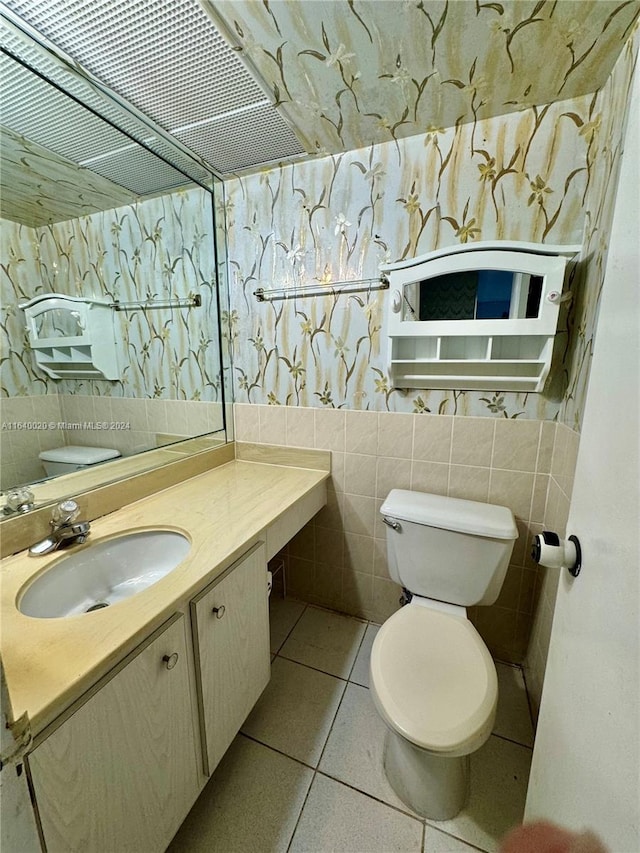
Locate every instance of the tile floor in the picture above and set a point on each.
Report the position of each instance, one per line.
(305, 773)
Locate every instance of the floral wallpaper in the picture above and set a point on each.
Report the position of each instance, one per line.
(543, 174)
(64, 189)
(159, 248)
(352, 73)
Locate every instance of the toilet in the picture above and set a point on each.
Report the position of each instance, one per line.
(73, 457)
(432, 678)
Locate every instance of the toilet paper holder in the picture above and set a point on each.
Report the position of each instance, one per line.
(555, 553)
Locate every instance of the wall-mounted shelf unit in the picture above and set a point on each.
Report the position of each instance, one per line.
(479, 316)
(72, 337)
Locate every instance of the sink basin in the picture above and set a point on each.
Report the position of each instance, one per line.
(104, 573)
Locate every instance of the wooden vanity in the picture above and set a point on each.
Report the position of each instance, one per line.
(133, 706)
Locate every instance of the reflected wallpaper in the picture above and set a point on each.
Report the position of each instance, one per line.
(158, 248)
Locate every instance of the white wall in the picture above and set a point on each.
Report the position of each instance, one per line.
(587, 751)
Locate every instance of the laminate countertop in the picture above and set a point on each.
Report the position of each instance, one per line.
(223, 512)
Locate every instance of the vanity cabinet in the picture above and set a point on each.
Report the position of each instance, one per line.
(230, 624)
(119, 770)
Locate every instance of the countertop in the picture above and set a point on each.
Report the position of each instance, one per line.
(51, 662)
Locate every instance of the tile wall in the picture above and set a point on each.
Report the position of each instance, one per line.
(563, 464)
(339, 559)
(151, 423)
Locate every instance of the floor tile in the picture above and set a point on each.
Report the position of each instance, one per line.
(354, 750)
(360, 672)
(337, 818)
(252, 802)
(296, 710)
(439, 842)
(283, 615)
(513, 719)
(499, 776)
(325, 640)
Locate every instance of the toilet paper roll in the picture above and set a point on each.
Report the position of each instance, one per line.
(269, 582)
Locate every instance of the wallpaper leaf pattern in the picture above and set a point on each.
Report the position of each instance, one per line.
(158, 248)
(350, 74)
(545, 174)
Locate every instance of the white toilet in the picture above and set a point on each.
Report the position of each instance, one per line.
(433, 680)
(73, 457)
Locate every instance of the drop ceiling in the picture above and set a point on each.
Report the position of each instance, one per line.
(343, 73)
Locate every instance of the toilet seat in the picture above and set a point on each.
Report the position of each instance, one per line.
(433, 680)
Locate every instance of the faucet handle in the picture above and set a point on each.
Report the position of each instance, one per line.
(65, 512)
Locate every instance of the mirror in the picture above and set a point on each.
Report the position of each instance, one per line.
(480, 294)
(89, 213)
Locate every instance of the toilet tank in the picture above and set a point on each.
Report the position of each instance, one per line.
(73, 457)
(449, 549)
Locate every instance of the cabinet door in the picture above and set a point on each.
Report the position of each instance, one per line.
(121, 772)
(230, 622)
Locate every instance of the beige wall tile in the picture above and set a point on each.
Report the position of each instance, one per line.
(392, 474)
(327, 586)
(330, 516)
(360, 474)
(300, 426)
(559, 457)
(539, 501)
(545, 451)
(395, 435)
(386, 599)
(516, 443)
(156, 415)
(359, 515)
(472, 441)
(337, 470)
(380, 562)
(330, 429)
(176, 417)
(432, 438)
(358, 553)
(520, 544)
(300, 577)
(497, 627)
(361, 432)
(357, 592)
(303, 543)
(431, 477)
(513, 489)
(273, 424)
(246, 422)
(469, 483)
(329, 546)
(528, 591)
(510, 593)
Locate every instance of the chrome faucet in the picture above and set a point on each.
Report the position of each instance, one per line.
(65, 530)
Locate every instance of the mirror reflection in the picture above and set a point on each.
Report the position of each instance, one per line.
(474, 295)
(87, 212)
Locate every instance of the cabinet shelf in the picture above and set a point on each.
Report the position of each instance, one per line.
(476, 317)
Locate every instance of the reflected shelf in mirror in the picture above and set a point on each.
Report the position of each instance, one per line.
(114, 222)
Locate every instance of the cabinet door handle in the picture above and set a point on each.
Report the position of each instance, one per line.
(170, 660)
(219, 611)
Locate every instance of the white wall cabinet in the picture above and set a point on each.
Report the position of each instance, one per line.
(230, 624)
(476, 316)
(120, 772)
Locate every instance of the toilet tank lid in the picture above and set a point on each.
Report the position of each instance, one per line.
(461, 516)
(76, 455)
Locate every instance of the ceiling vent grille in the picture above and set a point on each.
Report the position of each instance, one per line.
(167, 58)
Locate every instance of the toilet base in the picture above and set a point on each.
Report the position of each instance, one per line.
(433, 786)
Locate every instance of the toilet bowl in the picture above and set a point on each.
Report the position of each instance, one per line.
(434, 684)
(72, 457)
(432, 679)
